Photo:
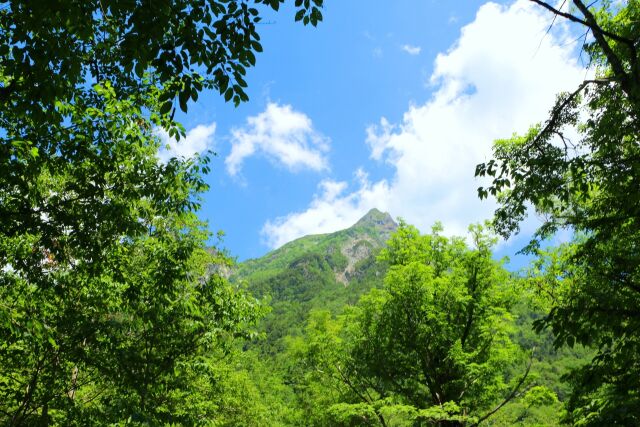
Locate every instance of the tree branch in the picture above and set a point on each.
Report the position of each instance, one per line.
(592, 25)
(558, 109)
(470, 311)
(346, 380)
(614, 60)
(629, 85)
(514, 393)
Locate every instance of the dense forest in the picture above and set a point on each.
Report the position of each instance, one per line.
(115, 309)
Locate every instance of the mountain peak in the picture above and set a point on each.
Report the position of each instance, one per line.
(379, 220)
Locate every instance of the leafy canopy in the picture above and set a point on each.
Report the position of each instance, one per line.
(432, 346)
(110, 308)
(588, 185)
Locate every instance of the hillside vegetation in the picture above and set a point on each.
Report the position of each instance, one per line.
(332, 294)
(115, 310)
(320, 271)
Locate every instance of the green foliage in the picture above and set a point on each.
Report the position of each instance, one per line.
(311, 337)
(113, 311)
(590, 186)
(432, 345)
(109, 312)
(177, 46)
(438, 332)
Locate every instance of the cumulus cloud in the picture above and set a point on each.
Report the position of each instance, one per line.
(500, 77)
(285, 136)
(411, 50)
(378, 138)
(197, 140)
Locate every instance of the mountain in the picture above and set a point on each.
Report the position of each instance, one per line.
(323, 271)
(342, 249)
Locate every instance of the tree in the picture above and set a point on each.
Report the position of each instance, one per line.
(433, 346)
(589, 186)
(105, 321)
(50, 49)
(59, 57)
(108, 312)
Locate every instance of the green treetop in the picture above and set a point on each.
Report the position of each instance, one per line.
(432, 346)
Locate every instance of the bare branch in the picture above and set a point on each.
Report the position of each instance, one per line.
(629, 84)
(593, 25)
(614, 60)
(555, 16)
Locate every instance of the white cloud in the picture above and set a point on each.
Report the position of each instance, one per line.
(411, 50)
(284, 136)
(330, 210)
(378, 138)
(500, 77)
(197, 140)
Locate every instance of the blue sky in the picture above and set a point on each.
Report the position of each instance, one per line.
(384, 104)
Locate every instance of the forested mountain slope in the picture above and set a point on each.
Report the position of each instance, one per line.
(326, 271)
